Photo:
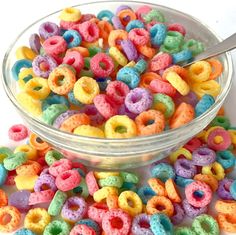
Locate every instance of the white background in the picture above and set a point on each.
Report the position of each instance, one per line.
(17, 15)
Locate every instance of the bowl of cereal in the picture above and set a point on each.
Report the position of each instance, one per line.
(106, 86)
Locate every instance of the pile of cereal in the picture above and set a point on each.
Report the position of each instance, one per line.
(114, 75)
(61, 197)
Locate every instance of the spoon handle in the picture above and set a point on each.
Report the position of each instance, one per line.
(226, 45)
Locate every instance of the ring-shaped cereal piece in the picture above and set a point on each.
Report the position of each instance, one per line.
(183, 114)
(104, 175)
(120, 126)
(116, 35)
(56, 225)
(61, 80)
(147, 78)
(226, 206)
(13, 223)
(70, 14)
(161, 201)
(44, 196)
(24, 76)
(55, 46)
(103, 193)
(91, 183)
(15, 160)
(157, 186)
(3, 198)
(29, 168)
(74, 59)
(88, 130)
(57, 203)
(36, 220)
(37, 143)
(172, 191)
(181, 152)
(227, 222)
(112, 201)
(82, 229)
(105, 29)
(31, 152)
(25, 53)
(124, 199)
(97, 211)
(19, 65)
(208, 179)
(126, 16)
(111, 181)
(182, 72)
(85, 90)
(216, 68)
(147, 51)
(139, 37)
(118, 56)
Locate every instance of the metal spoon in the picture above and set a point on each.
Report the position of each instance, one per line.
(226, 45)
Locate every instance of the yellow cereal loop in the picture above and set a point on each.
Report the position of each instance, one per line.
(25, 53)
(210, 87)
(215, 170)
(199, 71)
(25, 182)
(178, 83)
(120, 126)
(24, 76)
(88, 130)
(201, 135)
(90, 44)
(70, 14)
(37, 88)
(233, 136)
(118, 56)
(31, 153)
(102, 193)
(130, 64)
(130, 202)
(180, 152)
(30, 105)
(103, 175)
(85, 89)
(36, 220)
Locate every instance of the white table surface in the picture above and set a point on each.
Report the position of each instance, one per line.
(16, 15)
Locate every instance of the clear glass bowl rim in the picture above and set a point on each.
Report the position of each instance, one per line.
(165, 134)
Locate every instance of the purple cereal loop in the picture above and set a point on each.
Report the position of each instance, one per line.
(48, 29)
(137, 229)
(74, 215)
(117, 23)
(121, 8)
(62, 117)
(129, 49)
(190, 98)
(203, 156)
(52, 64)
(45, 180)
(138, 100)
(34, 42)
(124, 111)
(185, 168)
(45, 171)
(223, 189)
(192, 211)
(20, 200)
(179, 214)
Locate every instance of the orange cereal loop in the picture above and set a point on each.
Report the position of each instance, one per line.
(147, 51)
(105, 29)
(227, 222)
(74, 121)
(126, 13)
(155, 117)
(9, 219)
(182, 72)
(116, 35)
(216, 68)
(89, 44)
(146, 79)
(82, 50)
(226, 206)
(112, 201)
(172, 191)
(183, 114)
(221, 111)
(208, 179)
(37, 143)
(3, 198)
(29, 168)
(94, 20)
(160, 204)
(157, 186)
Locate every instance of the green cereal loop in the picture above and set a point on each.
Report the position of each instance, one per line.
(52, 112)
(167, 101)
(87, 62)
(221, 121)
(57, 227)
(15, 160)
(4, 153)
(57, 203)
(205, 225)
(82, 189)
(173, 40)
(184, 231)
(129, 177)
(154, 15)
(52, 156)
(112, 181)
(86, 73)
(163, 48)
(194, 46)
(94, 50)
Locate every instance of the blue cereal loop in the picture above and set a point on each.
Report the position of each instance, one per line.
(140, 66)
(24, 231)
(232, 189)
(3, 174)
(145, 193)
(72, 38)
(54, 99)
(182, 182)
(182, 56)
(105, 14)
(134, 24)
(204, 104)
(73, 100)
(225, 158)
(90, 223)
(161, 225)
(102, 83)
(129, 76)
(158, 34)
(163, 171)
(20, 64)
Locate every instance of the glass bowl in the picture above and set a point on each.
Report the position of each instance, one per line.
(120, 153)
